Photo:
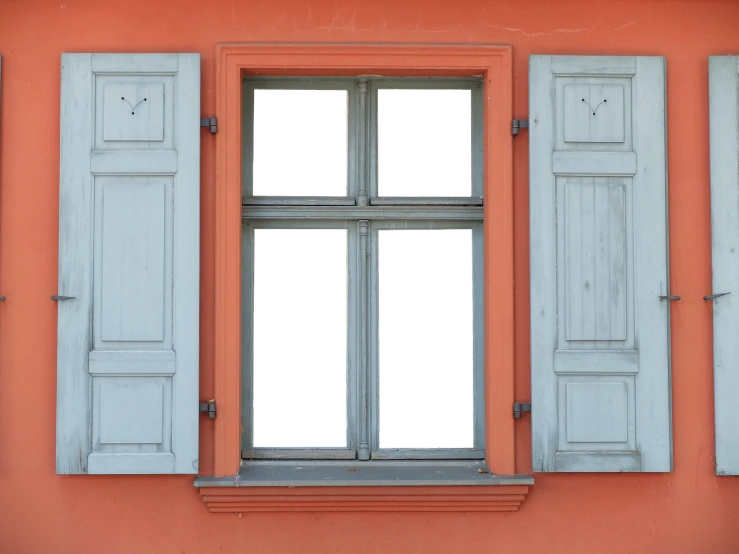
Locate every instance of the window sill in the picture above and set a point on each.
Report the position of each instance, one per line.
(382, 486)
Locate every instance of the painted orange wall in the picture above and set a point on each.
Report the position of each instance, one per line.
(689, 510)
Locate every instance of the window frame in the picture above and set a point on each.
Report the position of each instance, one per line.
(296, 83)
(233, 61)
(477, 452)
(362, 180)
(248, 451)
(476, 87)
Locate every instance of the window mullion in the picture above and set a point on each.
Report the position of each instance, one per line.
(363, 228)
(363, 451)
(362, 142)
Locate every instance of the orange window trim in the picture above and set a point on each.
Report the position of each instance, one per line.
(494, 64)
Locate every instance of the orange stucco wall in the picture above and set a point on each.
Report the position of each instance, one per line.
(689, 510)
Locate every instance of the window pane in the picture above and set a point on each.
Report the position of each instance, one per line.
(300, 142)
(425, 339)
(424, 142)
(300, 318)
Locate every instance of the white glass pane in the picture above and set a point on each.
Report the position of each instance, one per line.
(425, 339)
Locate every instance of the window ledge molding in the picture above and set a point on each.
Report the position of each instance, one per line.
(364, 487)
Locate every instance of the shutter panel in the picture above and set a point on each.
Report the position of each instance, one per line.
(598, 217)
(129, 216)
(724, 124)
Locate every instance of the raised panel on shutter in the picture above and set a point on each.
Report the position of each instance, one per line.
(127, 365)
(724, 130)
(598, 230)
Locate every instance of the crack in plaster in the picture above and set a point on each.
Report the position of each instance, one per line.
(550, 33)
(629, 24)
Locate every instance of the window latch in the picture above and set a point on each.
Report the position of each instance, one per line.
(519, 407)
(209, 408)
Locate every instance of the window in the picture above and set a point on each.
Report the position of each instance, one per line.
(362, 269)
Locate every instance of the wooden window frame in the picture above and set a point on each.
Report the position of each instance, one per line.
(493, 63)
(291, 212)
(477, 451)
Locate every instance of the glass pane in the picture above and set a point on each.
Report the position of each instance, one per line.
(425, 339)
(300, 318)
(424, 142)
(300, 142)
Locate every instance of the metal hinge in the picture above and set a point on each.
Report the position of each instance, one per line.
(209, 408)
(518, 124)
(519, 407)
(211, 122)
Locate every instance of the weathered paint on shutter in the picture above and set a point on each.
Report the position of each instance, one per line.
(129, 216)
(598, 224)
(724, 124)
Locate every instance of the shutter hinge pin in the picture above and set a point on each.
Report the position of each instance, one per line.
(2, 298)
(209, 408)
(518, 124)
(675, 298)
(519, 407)
(211, 122)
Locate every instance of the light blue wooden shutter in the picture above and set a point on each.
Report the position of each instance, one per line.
(598, 223)
(724, 120)
(129, 217)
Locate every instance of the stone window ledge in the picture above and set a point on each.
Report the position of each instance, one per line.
(373, 486)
